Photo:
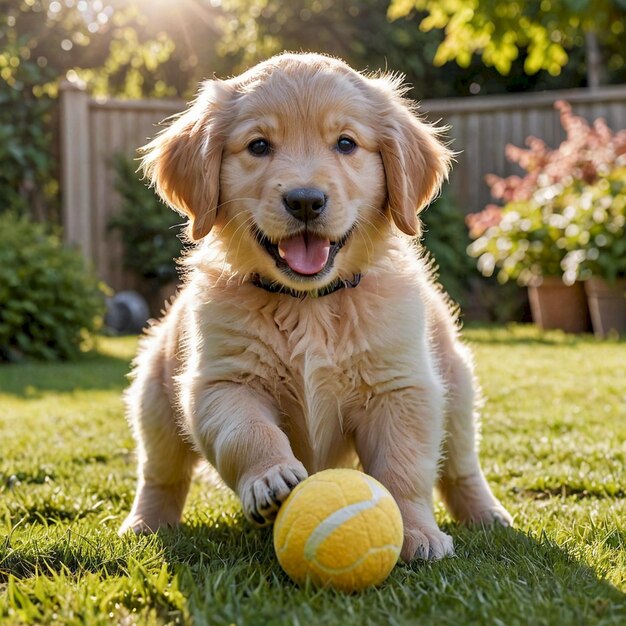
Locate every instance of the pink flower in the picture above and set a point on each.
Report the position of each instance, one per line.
(586, 150)
(478, 223)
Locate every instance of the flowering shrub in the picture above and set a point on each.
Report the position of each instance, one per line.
(445, 237)
(601, 213)
(565, 216)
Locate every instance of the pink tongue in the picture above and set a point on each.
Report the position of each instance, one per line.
(305, 253)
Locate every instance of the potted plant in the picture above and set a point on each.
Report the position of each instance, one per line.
(601, 261)
(543, 224)
(527, 241)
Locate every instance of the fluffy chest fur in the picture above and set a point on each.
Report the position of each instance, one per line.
(319, 360)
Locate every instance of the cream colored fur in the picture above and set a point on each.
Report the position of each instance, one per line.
(268, 387)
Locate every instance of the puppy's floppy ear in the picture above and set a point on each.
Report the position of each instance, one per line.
(183, 162)
(415, 160)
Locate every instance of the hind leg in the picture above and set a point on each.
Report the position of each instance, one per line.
(165, 460)
(462, 484)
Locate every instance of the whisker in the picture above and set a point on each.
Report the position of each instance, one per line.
(362, 219)
(240, 228)
(242, 235)
(369, 249)
(177, 225)
(221, 204)
(233, 218)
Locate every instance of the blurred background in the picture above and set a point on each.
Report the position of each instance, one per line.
(84, 83)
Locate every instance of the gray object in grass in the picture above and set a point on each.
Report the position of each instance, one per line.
(127, 313)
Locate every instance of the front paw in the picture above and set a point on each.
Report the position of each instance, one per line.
(422, 537)
(261, 496)
(471, 501)
(156, 506)
(494, 515)
(137, 525)
(426, 543)
(146, 523)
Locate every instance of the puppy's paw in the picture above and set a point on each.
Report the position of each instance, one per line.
(494, 515)
(146, 524)
(429, 544)
(136, 525)
(262, 496)
(471, 501)
(155, 506)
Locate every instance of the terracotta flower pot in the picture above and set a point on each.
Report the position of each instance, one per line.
(555, 305)
(607, 305)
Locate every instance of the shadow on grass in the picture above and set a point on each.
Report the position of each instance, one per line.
(65, 550)
(506, 576)
(228, 571)
(91, 371)
(496, 577)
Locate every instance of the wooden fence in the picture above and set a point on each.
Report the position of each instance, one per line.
(94, 130)
(481, 127)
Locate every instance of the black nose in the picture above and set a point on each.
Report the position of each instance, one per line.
(305, 204)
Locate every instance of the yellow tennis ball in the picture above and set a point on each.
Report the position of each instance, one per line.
(339, 528)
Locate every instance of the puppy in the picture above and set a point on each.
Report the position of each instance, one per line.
(309, 331)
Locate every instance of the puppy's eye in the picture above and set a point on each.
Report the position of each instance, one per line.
(259, 147)
(345, 145)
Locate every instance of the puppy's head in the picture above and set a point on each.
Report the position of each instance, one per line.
(301, 164)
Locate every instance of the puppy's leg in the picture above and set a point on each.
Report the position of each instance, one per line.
(462, 484)
(238, 431)
(165, 461)
(398, 439)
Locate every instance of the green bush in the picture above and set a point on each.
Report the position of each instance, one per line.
(446, 238)
(147, 227)
(49, 302)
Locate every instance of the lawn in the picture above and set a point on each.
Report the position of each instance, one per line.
(554, 449)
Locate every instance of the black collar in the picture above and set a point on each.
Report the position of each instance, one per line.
(274, 287)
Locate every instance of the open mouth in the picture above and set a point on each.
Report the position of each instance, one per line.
(305, 255)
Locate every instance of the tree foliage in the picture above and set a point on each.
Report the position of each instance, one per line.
(28, 163)
(545, 30)
(124, 48)
(361, 32)
(356, 30)
(128, 48)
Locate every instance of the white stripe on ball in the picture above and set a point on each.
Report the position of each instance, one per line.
(339, 517)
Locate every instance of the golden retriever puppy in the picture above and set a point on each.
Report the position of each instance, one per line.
(309, 330)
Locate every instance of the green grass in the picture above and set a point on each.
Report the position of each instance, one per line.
(554, 448)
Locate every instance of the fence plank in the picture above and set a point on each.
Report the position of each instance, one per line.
(75, 167)
(512, 118)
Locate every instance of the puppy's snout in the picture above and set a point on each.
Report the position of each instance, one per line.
(305, 204)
